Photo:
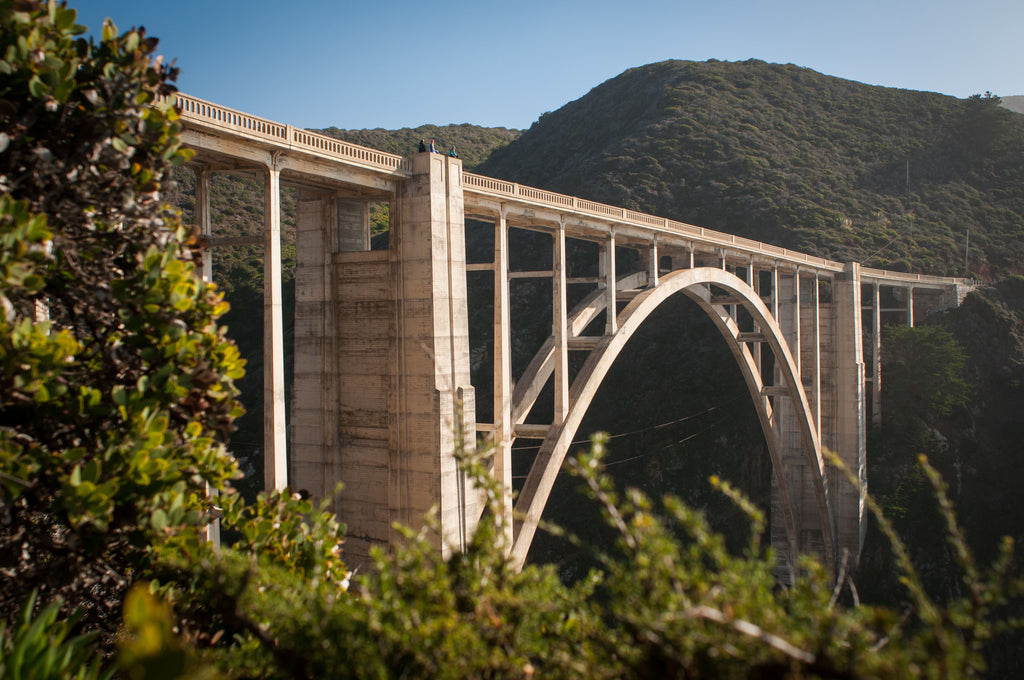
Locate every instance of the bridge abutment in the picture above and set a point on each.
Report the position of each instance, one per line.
(434, 401)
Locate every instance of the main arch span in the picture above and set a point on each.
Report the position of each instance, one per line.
(697, 284)
(383, 396)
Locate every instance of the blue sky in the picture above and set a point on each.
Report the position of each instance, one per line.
(398, 63)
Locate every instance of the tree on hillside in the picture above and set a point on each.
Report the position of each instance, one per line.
(986, 125)
(922, 382)
(922, 372)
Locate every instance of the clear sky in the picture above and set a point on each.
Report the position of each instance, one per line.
(402, 63)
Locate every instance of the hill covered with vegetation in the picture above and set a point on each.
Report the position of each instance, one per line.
(891, 178)
(473, 143)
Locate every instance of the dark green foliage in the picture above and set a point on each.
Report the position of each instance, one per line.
(972, 435)
(922, 372)
(41, 646)
(976, 445)
(116, 390)
(987, 437)
(890, 178)
(116, 382)
(657, 606)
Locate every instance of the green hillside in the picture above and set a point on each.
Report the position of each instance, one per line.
(473, 143)
(891, 178)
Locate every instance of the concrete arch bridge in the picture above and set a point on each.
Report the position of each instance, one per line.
(382, 353)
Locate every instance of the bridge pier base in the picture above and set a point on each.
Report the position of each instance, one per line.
(433, 407)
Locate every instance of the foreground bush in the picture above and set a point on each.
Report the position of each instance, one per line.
(116, 384)
(661, 605)
(668, 601)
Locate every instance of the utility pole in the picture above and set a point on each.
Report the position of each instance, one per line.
(967, 249)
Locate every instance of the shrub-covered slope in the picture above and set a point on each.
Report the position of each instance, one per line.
(472, 142)
(892, 178)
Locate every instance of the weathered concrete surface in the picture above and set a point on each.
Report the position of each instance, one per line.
(849, 436)
(382, 361)
(433, 392)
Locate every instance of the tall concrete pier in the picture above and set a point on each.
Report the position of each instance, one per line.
(382, 387)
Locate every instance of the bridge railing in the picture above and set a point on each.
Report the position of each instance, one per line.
(925, 280)
(348, 151)
(200, 113)
(501, 189)
(192, 109)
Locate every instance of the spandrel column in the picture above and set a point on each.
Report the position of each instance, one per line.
(275, 459)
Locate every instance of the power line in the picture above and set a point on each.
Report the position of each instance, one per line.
(909, 211)
(649, 428)
(608, 464)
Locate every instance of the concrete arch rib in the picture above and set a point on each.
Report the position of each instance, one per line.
(540, 368)
(695, 284)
